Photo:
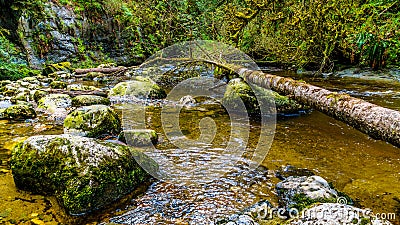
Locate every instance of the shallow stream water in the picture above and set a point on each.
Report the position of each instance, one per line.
(367, 170)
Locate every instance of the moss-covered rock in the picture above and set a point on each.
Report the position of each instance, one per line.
(53, 101)
(139, 87)
(84, 174)
(2, 114)
(300, 192)
(85, 100)
(9, 90)
(18, 112)
(138, 137)
(22, 96)
(5, 82)
(23, 83)
(238, 92)
(58, 85)
(285, 105)
(92, 121)
(52, 68)
(80, 87)
(32, 80)
(36, 95)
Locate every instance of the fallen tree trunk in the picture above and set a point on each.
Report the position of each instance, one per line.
(376, 121)
(76, 93)
(101, 70)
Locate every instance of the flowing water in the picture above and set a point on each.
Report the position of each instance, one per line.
(367, 170)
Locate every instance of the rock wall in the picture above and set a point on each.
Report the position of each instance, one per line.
(55, 33)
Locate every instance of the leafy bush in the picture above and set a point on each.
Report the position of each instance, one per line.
(12, 65)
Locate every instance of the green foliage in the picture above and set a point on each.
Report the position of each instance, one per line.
(12, 67)
(308, 33)
(315, 32)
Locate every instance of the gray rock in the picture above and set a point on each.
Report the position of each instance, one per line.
(53, 101)
(187, 100)
(18, 112)
(80, 87)
(84, 174)
(138, 137)
(86, 100)
(313, 187)
(58, 84)
(92, 121)
(139, 87)
(239, 94)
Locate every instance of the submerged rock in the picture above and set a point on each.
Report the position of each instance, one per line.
(261, 211)
(84, 174)
(138, 137)
(53, 101)
(18, 112)
(187, 100)
(92, 121)
(86, 100)
(139, 87)
(299, 192)
(291, 171)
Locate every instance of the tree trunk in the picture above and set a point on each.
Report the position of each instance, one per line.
(378, 122)
(76, 93)
(101, 70)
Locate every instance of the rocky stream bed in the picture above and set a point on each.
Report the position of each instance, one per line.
(70, 158)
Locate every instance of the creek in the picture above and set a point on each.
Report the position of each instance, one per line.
(367, 170)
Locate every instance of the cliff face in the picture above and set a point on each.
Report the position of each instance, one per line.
(52, 32)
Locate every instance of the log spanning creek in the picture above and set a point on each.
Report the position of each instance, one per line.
(366, 170)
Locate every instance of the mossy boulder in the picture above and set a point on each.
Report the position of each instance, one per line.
(285, 105)
(58, 85)
(5, 82)
(32, 80)
(9, 90)
(36, 95)
(52, 68)
(238, 92)
(84, 174)
(18, 112)
(22, 96)
(86, 100)
(92, 121)
(139, 87)
(80, 87)
(300, 192)
(138, 137)
(53, 101)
